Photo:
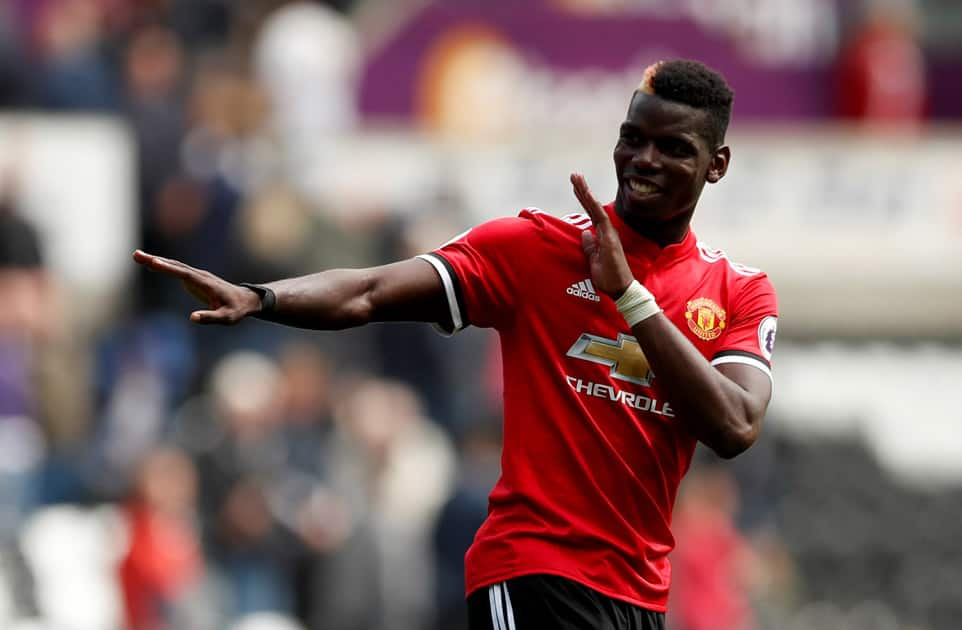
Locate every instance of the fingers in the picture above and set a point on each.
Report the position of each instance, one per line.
(223, 316)
(594, 209)
(166, 265)
(203, 285)
(158, 263)
(588, 242)
(205, 317)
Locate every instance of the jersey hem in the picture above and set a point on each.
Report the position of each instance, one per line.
(501, 577)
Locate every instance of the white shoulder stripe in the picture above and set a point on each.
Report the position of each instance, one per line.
(578, 219)
(448, 283)
(711, 255)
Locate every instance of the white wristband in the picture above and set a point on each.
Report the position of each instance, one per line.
(637, 304)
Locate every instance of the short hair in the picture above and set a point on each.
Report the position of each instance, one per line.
(696, 85)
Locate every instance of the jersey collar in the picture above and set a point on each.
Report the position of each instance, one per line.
(637, 245)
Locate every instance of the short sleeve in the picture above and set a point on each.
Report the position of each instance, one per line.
(482, 272)
(750, 338)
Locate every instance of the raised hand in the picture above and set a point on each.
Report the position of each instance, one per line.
(606, 258)
(226, 303)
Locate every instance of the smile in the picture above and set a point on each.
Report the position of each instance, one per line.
(641, 188)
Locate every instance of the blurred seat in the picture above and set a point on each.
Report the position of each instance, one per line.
(73, 554)
(266, 621)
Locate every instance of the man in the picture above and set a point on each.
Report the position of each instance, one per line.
(624, 342)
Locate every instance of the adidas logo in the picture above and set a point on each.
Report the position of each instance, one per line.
(584, 289)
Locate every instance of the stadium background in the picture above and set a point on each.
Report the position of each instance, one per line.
(156, 475)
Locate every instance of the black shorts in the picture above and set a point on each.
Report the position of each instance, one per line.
(548, 602)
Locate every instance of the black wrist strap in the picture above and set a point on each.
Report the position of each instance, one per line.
(268, 299)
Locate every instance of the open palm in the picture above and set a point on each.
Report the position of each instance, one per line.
(227, 303)
(602, 247)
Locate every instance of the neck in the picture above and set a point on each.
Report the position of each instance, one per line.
(662, 233)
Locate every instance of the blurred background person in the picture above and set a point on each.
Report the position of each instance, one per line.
(713, 562)
(466, 507)
(406, 463)
(881, 67)
(164, 562)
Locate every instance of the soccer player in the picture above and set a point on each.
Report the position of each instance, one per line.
(624, 341)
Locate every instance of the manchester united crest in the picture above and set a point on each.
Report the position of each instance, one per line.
(705, 318)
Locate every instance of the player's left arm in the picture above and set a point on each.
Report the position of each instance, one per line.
(723, 405)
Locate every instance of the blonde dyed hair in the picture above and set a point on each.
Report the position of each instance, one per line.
(647, 80)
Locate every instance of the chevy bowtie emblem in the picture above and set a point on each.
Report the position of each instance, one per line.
(623, 356)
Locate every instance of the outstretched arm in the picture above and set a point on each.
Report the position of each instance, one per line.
(723, 406)
(409, 290)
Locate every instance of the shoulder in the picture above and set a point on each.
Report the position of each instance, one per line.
(570, 225)
(572, 222)
(531, 223)
(741, 279)
(714, 256)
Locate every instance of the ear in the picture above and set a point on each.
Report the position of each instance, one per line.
(719, 164)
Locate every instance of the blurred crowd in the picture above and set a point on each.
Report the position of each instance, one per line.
(163, 476)
(166, 476)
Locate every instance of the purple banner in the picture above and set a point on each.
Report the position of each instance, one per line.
(774, 79)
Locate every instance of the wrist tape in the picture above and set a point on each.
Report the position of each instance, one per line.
(637, 304)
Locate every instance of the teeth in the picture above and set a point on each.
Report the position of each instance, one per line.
(640, 187)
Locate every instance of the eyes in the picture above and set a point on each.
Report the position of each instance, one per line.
(667, 145)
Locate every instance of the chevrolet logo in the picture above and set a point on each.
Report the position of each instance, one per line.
(623, 356)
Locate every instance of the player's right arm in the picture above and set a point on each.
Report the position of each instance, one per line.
(410, 290)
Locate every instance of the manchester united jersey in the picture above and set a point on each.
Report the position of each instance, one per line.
(593, 450)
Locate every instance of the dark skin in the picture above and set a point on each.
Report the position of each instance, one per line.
(660, 144)
(660, 147)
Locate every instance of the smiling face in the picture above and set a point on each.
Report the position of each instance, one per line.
(662, 161)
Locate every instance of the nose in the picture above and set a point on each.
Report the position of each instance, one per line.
(646, 156)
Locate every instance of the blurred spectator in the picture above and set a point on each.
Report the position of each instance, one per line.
(712, 563)
(13, 83)
(76, 75)
(408, 465)
(303, 498)
(462, 515)
(164, 559)
(881, 69)
(307, 56)
(308, 401)
(279, 234)
(27, 322)
(25, 280)
(196, 160)
(188, 219)
(43, 376)
(244, 455)
(154, 82)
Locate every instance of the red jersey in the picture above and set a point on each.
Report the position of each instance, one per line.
(593, 452)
